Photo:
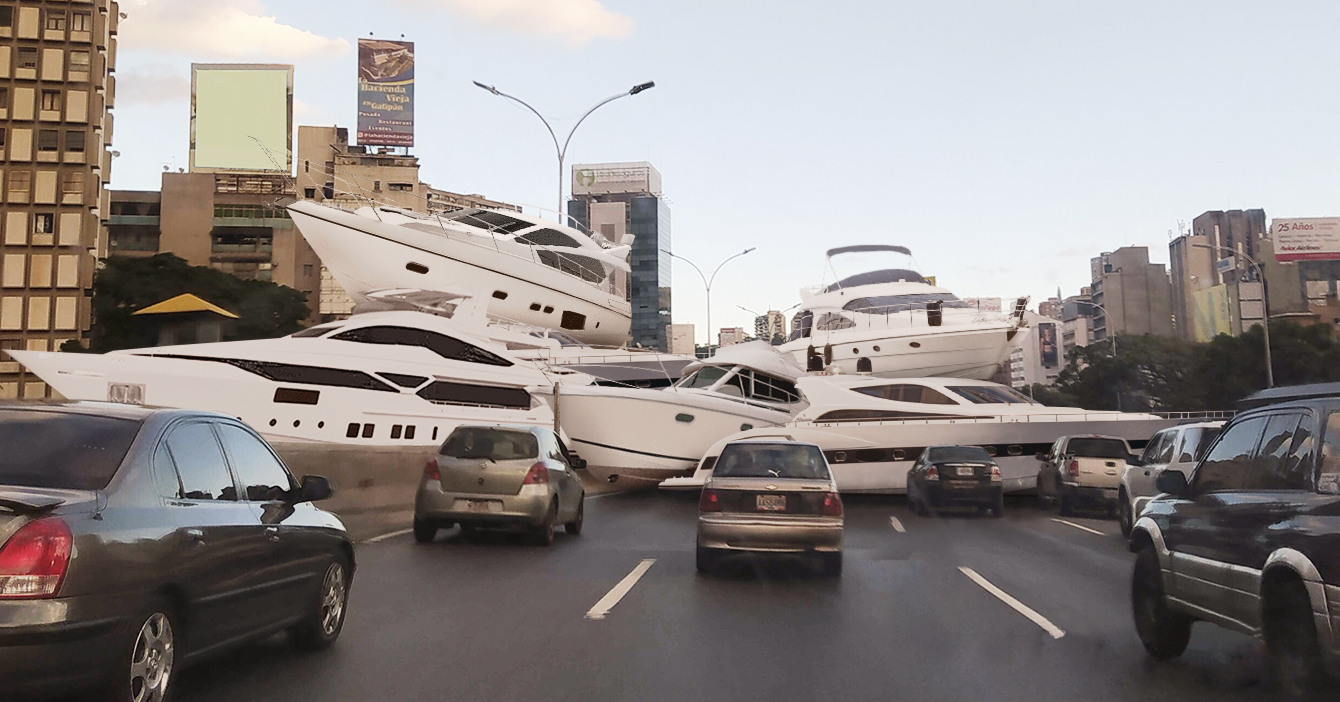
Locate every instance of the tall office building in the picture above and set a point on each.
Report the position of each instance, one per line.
(56, 93)
(768, 326)
(1130, 295)
(619, 200)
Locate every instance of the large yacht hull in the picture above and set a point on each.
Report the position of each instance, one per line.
(650, 434)
(365, 254)
(874, 457)
(339, 415)
(975, 352)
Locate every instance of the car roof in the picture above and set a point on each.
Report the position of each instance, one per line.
(115, 410)
(772, 442)
(531, 428)
(1093, 436)
(1290, 394)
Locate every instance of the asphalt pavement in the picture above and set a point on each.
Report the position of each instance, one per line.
(929, 608)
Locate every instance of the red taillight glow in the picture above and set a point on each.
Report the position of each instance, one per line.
(832, 505)
(34, 560)
(1072, 469)
(932, 473)
(995, 474)
(430, 470)
(709, 502)
(537, 475)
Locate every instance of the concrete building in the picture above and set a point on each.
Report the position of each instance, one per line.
(1038, 359)
(730, 335)
(767, 326)
(1131, 295)
(680, 339)
(619, 200)
(1076, 315)
(57, 90)
(1050, 308)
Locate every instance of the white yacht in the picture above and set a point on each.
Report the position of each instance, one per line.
(894, 323)
(872, 429)
(377, 379)
(652, 434)
(527, 269)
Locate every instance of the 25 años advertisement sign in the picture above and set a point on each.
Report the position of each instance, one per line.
(1311, 239)
(385, 93)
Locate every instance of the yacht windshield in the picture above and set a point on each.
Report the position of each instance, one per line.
(987, 395)
(886, 304)
(907, 393)
(319, 330)
(704, 378)
(801, 325)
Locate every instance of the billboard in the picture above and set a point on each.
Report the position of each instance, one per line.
(607, 178)
(1210, 313)
(1047, 348)
(233, 107)
(1310, 239)
(385, 93)
(984, 304)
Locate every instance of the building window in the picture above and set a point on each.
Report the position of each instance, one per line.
(27, 57)
(50, 99)
(4, 98)
(401, 187)
(74, 140)
(56, 20)
(308, 269)
(2, 137)
(79, 60)
(81, 22)
(48, 140)
(44, 223)
(6, 15)
(309, 193)
(72, 183)
(20, 182)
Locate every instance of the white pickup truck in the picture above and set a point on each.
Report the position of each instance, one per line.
(1084, 469)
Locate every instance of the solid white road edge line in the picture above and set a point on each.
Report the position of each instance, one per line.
(612, 597)
(1018, 606)
(1081, 527)
(897, 525)
(384, 537)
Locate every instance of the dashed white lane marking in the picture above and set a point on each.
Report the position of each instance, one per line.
(1081, 527)
(897, 525)
(1018, 606)
(384, 537)
(612, 597)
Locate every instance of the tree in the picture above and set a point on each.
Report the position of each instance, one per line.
(124, 285)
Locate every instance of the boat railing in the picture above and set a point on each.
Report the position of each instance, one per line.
(1025, 418)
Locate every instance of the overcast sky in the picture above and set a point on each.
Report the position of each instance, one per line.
(1005, 142)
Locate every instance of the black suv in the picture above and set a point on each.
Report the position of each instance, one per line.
(1251, 542)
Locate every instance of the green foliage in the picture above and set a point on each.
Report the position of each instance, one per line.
(1162, 374)
(125, 285)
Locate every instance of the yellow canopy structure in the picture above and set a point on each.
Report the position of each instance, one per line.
(185, 302)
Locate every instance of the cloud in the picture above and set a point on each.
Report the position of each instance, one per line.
(218, 29)
(574, 22)
(150, 84)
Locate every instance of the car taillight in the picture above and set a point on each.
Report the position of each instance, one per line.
(995, 474)
(537, 475)
(1072, 469)
(832, 505)
(932, 473)
(430, 470)
(34, 560)
(709, 502)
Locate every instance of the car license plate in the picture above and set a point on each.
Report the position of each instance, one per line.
(965, 471)
(478, 505)
(771, 503)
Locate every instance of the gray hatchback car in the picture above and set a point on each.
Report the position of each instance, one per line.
(770, 497)
(518, 477)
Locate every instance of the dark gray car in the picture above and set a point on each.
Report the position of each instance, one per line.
(134, 540)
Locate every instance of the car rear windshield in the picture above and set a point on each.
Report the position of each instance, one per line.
(959, 453)
(495, 444)
(1097, 448)
(771, 461)
(62, 450)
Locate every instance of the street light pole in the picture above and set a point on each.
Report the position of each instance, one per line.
(707, 285)
(562, 151)
(1265, 304)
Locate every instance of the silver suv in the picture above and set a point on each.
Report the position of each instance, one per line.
(1177, 448)
(516, 477)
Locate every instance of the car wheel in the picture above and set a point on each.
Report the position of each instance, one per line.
(998, 506)
(146, 668)
(1125, 520)
(1063, 505)
(1291, 640)
(325, 618)
(574, 527)
(832, 564)
(424, 531)
(1164, 633)
(544, 536)
(705, 559)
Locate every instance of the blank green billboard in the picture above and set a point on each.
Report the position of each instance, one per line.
(235, 106)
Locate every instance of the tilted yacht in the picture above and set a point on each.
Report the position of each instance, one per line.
(652, 434)
(872, 429)
(894, 323)
(382, 378)
(527, 269)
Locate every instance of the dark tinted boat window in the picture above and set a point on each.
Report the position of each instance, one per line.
(907, 393)
(486, 442)
(62, 450)
(1089, 447)
(201, 470)
(771, 461)
(440, 344)
(446, 393)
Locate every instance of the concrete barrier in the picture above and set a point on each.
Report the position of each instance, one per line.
(374, 488)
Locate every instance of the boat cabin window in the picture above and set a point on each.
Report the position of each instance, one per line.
(887, 304)
(584, 267)
(832, 321)
(440, 344)
(907, 393)
(548, 237)
(292, 373)
(447, 393)
(988, 395)
(493, 221)
(319, 330)
(803, 323)
(761, 386)
(704, 377)
(871, 415)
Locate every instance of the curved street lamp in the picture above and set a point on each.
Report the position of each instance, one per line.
(707, 284)
(1265, 304)
(562, 151)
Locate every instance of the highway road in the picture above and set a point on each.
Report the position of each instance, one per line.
(937, 608)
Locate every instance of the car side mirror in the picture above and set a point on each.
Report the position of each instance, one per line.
(579, 463)
(1041, 456)
(314, 488)
(1134, 460)
(1171, 482)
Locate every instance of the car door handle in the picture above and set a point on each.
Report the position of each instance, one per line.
(1146, 474)
(272, 532)
(195, 536)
